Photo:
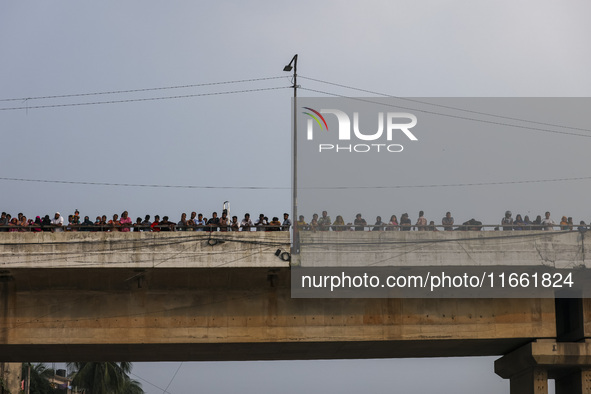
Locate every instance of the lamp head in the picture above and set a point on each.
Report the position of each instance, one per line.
(293, 61)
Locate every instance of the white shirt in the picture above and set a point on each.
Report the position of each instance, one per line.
(548, 224)
(199, 222)
(58, 221)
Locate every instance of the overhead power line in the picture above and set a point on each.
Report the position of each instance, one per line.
(26, 99)
(173, 376)
(150, 383)
(466, 184)
(144, 99)
(444, 106)
(450, 115)
(140, 90)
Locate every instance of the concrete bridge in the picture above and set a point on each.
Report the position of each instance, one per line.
(192, 296)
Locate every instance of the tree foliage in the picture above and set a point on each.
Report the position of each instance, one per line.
(39, 382)
(105, 378)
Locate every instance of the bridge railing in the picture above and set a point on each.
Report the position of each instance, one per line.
(441, 227)
(306, 227)
(134, 228)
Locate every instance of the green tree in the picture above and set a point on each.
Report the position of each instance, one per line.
(132, 387)
(104, 378)
(39, 382)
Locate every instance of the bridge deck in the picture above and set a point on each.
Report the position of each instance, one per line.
(179, 296)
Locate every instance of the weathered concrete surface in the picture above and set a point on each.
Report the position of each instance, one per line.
(242, 314)
(142, 250)
(556, 249)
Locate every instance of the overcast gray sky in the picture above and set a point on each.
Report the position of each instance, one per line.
(408, 49)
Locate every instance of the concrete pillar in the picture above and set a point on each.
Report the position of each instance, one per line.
(530, 381)
(578, 382)
(530, 366)
(10, 374)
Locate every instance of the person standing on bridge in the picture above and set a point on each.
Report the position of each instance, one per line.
(234, 225)
(507, 221)
(115, 224)
(393, 224)
(448, 222)
(518, 224)
(339, 224)
(246, 223)
(564, 223)
(3, 222)
(125, 222)
(146, 224)
(302, 225)
(405, 222)
(359, 223)
(421, 222)
(537, 224)
(324, 222)
(86, 225)
(45, 224)
(167, 225)
(275, 224)
(286, 222)
(314, 222)
(191, 221)
(213, 222)
(379, 225)
(57, 223)
(548, 224)
(155, 226)
(224, 221)
(526, 223)
(200, 222)
(261, 223)
(183, 224)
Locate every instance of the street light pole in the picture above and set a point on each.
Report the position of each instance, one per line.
(295, 246)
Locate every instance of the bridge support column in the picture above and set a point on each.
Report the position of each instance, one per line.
(531, 381)
(530, 367)
(10, 377)
(575, 382)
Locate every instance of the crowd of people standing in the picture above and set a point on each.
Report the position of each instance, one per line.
(197, 222)
(123, 223)
(324, 223)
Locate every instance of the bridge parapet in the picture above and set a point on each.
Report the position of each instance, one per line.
(555, 249)
(142, 250)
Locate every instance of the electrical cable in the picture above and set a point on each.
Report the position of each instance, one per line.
(452, 116)
(173, 376)
(150, 383)
(301, 188)
(144, 99)
(444, 106)
(140, 90)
